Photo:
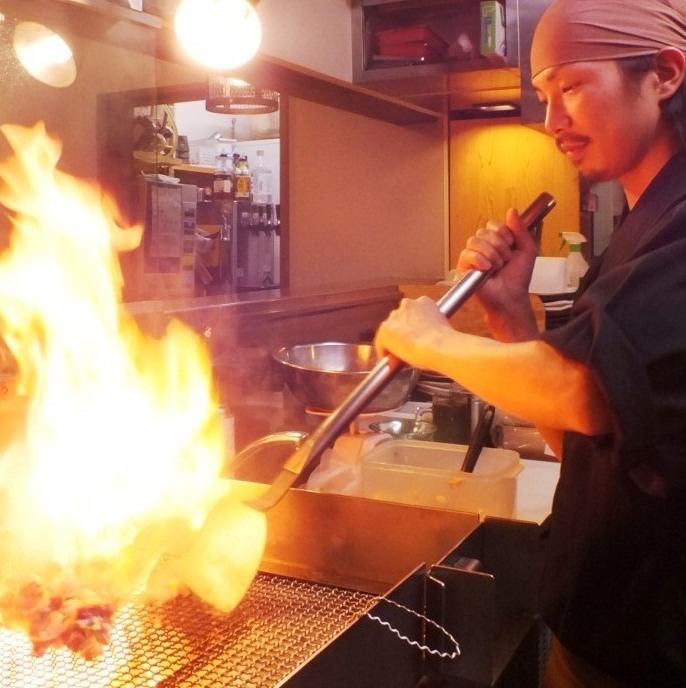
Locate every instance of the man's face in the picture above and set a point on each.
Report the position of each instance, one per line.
(603, 126)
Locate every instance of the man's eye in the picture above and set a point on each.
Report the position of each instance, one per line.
(568, 88)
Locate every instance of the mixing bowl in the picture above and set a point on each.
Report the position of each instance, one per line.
(322, 375)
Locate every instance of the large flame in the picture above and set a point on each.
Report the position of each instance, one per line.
(116, 463)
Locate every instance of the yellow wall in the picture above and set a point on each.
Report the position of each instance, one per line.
(499, 164)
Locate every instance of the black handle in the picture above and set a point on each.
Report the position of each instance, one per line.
(481, 433)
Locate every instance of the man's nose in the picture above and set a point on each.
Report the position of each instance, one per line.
(556, 117)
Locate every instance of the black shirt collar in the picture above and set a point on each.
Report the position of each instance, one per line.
(666, 190)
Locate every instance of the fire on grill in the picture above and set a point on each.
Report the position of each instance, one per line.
(111, 483)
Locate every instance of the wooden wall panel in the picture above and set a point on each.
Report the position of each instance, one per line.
(317, 35)
(496, 165)
(367, 198)
(471, 317)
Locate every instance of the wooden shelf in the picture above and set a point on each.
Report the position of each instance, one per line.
(194, 169)
(301, 82)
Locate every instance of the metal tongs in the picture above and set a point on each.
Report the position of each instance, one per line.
(309, 448)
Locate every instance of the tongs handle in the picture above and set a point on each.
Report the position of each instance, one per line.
(382, 373)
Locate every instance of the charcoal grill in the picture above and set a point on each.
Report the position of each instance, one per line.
(304, 620)
(279, 625)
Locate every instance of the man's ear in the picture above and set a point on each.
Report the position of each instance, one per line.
(670, 67)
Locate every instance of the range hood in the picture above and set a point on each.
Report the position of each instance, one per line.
(470, 91)
(530, 11)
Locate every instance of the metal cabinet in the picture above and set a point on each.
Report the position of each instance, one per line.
(407, 38)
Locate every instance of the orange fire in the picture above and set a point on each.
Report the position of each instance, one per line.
(111, 482)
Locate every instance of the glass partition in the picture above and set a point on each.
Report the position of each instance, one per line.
(129, 112)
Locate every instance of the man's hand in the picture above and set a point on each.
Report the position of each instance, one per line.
(414, 332)
(511, 252)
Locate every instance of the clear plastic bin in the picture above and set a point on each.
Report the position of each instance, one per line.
(427, 474)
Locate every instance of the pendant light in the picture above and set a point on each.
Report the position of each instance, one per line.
(220, 34)
(229, 96)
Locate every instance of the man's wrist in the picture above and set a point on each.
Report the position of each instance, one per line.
(516, 323)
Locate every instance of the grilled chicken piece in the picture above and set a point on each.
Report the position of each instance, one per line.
(82, 623)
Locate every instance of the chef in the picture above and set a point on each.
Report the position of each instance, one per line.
(608, 389)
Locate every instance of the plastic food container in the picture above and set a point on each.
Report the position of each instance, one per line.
(427, 474)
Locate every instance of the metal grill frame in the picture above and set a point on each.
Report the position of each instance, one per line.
(346, 550)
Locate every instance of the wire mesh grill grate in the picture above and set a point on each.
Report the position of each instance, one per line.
(279, 625)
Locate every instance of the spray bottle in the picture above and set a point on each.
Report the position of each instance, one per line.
(576, 266)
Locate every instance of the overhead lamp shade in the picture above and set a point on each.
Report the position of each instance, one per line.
(232, 97)
(487, 111)
(220, 34)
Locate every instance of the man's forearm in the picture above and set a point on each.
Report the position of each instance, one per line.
(529, 379)
(519, 326)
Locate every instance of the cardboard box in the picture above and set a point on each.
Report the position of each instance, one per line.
(493, 42)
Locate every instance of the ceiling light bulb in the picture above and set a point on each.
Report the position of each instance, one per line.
(44, 54)
(220, 34)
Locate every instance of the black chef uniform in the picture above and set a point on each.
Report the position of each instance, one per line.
(614, 582)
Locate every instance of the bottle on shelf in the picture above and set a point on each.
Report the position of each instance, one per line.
(224, 179)
(262, 181)
(243, 185)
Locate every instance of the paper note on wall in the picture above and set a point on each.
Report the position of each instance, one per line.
(166, 225)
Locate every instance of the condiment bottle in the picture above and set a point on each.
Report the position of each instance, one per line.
(576, 266)
(243, 178)
(223, 185)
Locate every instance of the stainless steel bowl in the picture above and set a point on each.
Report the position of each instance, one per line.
(322, 375)
(405, 429)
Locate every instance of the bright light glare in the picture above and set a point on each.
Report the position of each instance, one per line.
(503, 107)
(221, 34)
(45, 55)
